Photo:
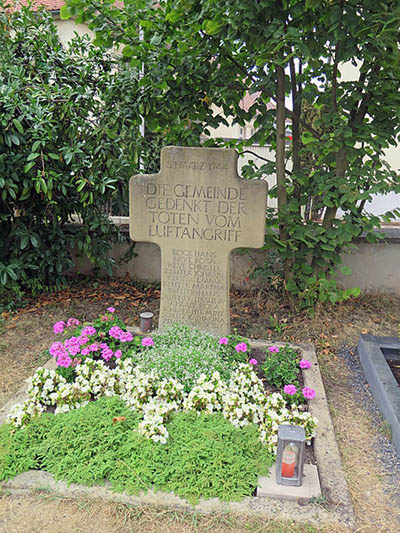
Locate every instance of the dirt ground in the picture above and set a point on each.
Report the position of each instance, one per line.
(257, 314)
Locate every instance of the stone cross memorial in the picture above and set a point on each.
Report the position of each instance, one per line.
(197, 209)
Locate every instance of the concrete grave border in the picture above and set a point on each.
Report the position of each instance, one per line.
(334, 486)
(383, 384)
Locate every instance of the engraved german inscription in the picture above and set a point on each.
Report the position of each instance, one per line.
(197, 210)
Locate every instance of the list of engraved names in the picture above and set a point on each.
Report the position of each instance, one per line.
(189, 272)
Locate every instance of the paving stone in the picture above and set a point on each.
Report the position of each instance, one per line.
(311, 488)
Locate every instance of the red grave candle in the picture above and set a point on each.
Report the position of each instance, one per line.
(289, 460)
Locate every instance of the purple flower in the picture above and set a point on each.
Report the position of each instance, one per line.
(308, 393)
(111, 309)
(304, 364)
(72, 322)
(88, 330)
(86, 351)
(253, 361)
(64, 360)
(290, 389)
(147, 341)
(59, 326)
(223, 340)
(273, 349)
(117, 354)
(241, 347)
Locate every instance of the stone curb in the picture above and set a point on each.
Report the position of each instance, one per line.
(334, 486)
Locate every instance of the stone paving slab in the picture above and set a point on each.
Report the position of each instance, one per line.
(330, 471)
(310, 488)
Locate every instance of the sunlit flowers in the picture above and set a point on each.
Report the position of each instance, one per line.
(223, 340)
(304, 364)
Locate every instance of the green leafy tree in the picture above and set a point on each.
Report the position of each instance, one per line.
(68, 145)
(202, 52)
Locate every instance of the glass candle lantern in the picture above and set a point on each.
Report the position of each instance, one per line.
(290, 455)
(146, 321)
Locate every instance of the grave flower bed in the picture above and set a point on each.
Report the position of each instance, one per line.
(156, 411)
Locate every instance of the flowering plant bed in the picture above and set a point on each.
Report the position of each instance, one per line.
(162, 410)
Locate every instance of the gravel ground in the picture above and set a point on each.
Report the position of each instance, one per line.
(387, 454)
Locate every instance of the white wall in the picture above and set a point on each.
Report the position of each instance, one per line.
(68, 28)
(380, 203)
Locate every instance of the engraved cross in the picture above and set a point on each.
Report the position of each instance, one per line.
(197, 210)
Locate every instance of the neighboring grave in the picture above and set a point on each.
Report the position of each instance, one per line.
(197, 210)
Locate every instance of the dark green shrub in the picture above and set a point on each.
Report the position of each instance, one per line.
(69, 141)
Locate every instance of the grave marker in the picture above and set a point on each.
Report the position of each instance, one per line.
(197, 210)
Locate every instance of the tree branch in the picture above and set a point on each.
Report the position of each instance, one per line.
(334, 78)
(272, 96)
(263, 158)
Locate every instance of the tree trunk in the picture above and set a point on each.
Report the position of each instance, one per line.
(280, 162)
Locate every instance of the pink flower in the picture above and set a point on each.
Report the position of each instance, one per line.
(304, 364)
(308, 393)
(126, 336)
(115, 332)
(73, 345)
(72, 322)
(147, 341)
(83, 339)
(88, 330)
(273, 349)
(117, 354)
(241, 347)
(106, 354)
(253, 361)
(85, 351)
(290, 389)
(64, 360)
(111, 309)
(223, 340)
(57, 348)
(59, 326)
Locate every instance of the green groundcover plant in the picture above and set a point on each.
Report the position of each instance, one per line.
(173, 410)
(206, 456)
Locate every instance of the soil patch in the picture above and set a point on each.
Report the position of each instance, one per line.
(394, 366)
